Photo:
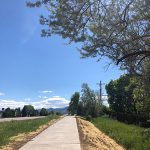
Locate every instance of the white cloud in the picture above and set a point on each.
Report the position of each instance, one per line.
(2, 94)
(44, 92)
(45, 97)
(11, 104)
(27, 99)
(56, 96)
(42, 97)
(53, 102)
(105, 100)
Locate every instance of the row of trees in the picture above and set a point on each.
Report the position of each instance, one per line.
(89, 102)
(28, 110)
(86, 104)
(129, 99)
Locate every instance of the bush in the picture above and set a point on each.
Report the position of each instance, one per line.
(132, 118)
(89, 117)
(8, 113)
(43, 112)
(58, 113)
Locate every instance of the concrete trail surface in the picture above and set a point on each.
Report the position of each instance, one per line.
(63, 135)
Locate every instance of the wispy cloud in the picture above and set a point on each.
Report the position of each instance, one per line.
(52, 102)
(45, 97)
(42, 97)
(27, 99)
(11, 104)
(45, 92)
(2, 94)
(56, 97)
(29, 27)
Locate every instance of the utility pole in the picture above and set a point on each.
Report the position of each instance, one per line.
(100, 91)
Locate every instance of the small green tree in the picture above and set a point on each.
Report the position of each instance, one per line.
(17, 112)
(89, 102)
(81, 109)
(73, 105)
(28, 110)
(43, 112)
(7, 113)
(120, 95)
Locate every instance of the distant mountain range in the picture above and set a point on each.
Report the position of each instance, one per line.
(60, 110)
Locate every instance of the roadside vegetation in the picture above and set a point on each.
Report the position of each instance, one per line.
(92, 138)
(13, 128)
(87, 103)
(130, 136)
(129, 99)
(27, 111)
(127, 114)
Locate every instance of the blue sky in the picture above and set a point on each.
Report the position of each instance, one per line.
(30, 64)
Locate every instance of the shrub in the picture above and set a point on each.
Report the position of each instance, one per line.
(89, 117)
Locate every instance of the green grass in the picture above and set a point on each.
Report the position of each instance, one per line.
(130, 136)
(13, 128)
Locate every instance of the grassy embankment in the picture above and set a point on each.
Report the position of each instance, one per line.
(13, 128)
(130, 136)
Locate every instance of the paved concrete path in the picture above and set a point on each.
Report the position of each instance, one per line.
(63, 135)
(19, 118)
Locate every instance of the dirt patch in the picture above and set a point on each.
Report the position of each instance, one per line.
(21, 139)
(93, 139)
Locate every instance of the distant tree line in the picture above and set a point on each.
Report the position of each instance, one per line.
(27, 111)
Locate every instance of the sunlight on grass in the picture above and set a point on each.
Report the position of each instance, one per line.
(130, 136)
(13, 128)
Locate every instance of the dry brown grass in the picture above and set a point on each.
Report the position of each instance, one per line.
(93, 139)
